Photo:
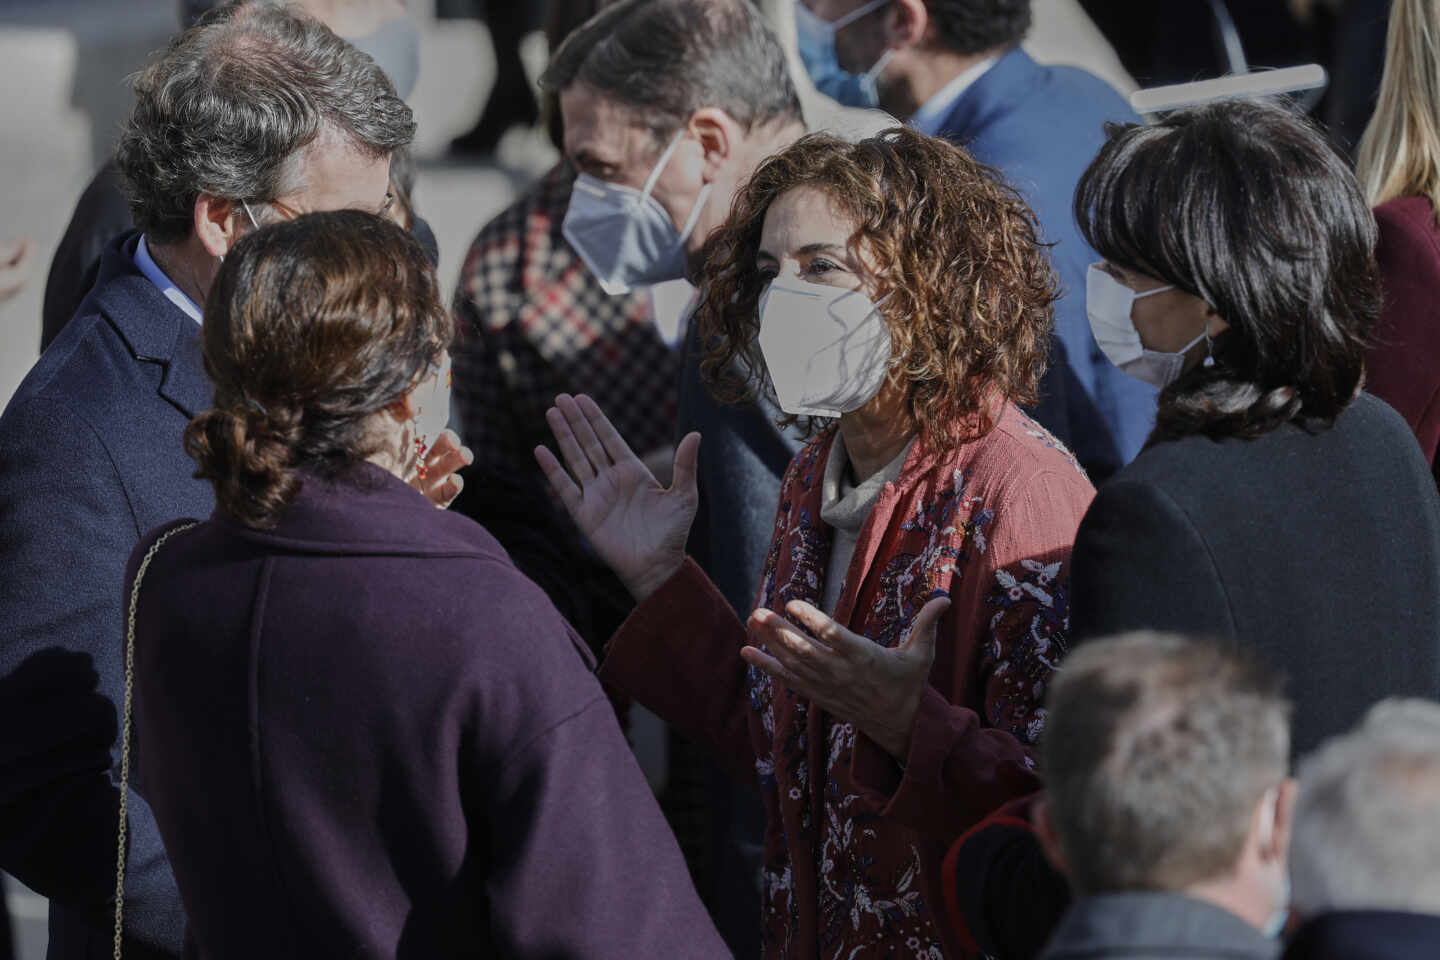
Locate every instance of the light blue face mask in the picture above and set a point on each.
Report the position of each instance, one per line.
(624, 235)
(816, 39)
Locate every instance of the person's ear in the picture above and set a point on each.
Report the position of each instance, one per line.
(906, 24)
(1214, 323)
(719, 136)
(1045, 830)
(403, 409)
(1282, 821)
(216, 224)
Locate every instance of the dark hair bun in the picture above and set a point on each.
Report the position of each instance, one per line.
(311, 328)
(250, 457)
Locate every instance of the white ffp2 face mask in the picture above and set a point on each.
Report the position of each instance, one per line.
(827, 348)
(431, 398)
(624, 235)
(1108, 304)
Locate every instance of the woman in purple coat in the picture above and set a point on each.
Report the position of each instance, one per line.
(362, 731)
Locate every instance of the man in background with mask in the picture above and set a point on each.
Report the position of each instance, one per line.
(954, 69)
(668, 106)
(256, 115)
(1167, 802)
(383, 29)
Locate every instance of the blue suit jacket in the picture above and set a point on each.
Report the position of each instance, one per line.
(1041, 126)
(90, 459)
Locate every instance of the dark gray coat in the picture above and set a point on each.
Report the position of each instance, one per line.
(1317, 551)
(1155, 926)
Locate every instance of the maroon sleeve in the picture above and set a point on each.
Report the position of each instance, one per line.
(1403, 364)
(678, 654)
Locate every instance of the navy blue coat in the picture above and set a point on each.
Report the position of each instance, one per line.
(1041, 126)
(1372, 934)
(90, 459)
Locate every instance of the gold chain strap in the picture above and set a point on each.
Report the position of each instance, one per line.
(125, 734)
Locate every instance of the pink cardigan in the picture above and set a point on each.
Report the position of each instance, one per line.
(853, 843)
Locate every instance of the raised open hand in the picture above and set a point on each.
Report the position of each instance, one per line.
(637, 526)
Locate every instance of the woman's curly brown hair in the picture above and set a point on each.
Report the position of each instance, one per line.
(967, 289)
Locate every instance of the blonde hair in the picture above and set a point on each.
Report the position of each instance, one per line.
(1400, 151)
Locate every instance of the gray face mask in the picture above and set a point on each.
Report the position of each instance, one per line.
(395, 47)
(624, 235)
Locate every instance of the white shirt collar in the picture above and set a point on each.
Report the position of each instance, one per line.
(932, 112)
(155, 275)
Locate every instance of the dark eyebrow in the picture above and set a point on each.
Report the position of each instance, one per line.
(808, 249)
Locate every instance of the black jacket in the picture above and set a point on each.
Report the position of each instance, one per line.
(1368, 934)
(1318, 551)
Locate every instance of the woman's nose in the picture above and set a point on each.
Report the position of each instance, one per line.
(789, 268)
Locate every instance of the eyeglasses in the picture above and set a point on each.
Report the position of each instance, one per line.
(290, 213)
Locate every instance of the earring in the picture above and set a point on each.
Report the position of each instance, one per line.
(1209, 360)
(420, 447)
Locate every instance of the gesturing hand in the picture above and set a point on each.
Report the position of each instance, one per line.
(876, 688)
(637, 526)
(441, 483)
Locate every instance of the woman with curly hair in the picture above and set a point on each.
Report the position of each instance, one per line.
(914, 597)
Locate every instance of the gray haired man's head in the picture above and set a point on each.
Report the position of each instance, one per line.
(1157, 755)
(1367, 822)
(665, 59)
(237, 107)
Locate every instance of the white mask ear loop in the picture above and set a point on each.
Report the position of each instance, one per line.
(659, 168)
(249, 213)
(704, 195)
(854, 15)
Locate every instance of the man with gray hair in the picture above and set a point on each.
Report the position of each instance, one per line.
(1167, 803)
(258, 113)
(381, 28)
(1366, 858)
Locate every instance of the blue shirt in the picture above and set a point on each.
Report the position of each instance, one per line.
(1042, 126)
(147, 265)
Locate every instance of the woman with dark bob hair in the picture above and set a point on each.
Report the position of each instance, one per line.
(895, 288)
(1275, 505)
(363, 733)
